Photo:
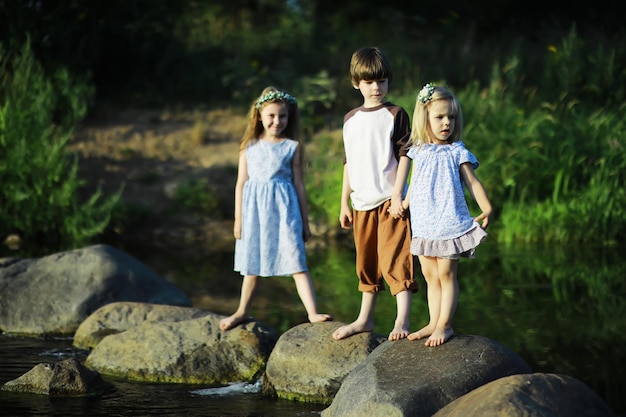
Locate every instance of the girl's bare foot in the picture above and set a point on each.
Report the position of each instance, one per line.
(423, 332)
(352, 328)
(400, 331)
(231, 321)
(316, 318)
(439, 337)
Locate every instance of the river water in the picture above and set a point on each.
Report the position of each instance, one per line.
(563, 310)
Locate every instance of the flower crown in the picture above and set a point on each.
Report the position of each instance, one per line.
(426, 93)
(275, 95)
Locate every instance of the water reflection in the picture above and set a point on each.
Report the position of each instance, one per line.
(129, 399)
(561, 309)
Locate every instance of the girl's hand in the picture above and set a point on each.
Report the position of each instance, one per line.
(397, 207)
(237, 229)
(484, 217)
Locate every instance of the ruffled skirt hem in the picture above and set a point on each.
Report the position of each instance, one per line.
(464, 245)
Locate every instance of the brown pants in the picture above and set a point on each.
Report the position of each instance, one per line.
(383, 251)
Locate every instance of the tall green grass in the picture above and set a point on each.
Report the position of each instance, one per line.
(324, 175)
(39, 196)
(552, 154)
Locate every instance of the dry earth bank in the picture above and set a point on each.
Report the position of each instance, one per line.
(154, 153)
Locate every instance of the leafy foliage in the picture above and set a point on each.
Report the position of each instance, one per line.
(552, 156)
(542, 93)
(39, 180)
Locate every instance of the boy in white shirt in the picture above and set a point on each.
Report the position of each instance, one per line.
(375, 136)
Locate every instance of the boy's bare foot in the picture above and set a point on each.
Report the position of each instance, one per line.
(317, 318)
(439, 337)
(423, 332)
(399, 332)
(231, 321)
(351, 329)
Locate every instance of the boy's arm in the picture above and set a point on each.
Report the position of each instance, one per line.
(401, 136)
(345, 214)
(478, 192)
(298, 181)
(397, 207)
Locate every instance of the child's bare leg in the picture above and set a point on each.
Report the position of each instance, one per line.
(363, 323)
(247, 291)
(304, 286)
(433, 292)
(402, 324)
(449, 300)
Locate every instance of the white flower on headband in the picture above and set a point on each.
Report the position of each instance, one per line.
(426, 93)
(275, 95)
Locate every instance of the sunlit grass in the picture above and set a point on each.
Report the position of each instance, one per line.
(552, 157)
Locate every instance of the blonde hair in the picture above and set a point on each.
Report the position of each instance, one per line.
(255, 126)
(420, 133)
(370, 64)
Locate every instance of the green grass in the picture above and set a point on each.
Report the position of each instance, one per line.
(552, 156)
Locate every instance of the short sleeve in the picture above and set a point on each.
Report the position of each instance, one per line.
(465, 156)
(401, 132)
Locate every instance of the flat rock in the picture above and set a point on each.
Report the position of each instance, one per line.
(120, 316)
(530, 395)
(193, 351)
(308, 364)
(52, 295)
(406, 378)
(67, 378)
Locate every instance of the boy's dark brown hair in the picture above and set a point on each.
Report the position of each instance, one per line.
(370, 64)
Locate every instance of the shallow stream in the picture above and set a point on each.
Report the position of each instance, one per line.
(563, 310)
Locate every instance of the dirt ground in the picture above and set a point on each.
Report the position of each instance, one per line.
(152, 153)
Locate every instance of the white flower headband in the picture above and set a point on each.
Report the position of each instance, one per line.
(426, 93)
(275, 95)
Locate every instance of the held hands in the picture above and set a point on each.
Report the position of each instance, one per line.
(397, 207)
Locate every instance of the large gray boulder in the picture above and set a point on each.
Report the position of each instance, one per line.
(406, 378)
(120, 316)
(308, 365)
(67, 378)
(191, 351)
(529, 395)
(54, 294)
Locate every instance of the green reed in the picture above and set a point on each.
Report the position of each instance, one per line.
(551, 152)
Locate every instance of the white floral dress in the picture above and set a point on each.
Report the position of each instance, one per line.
(271, 241)
(441, 224)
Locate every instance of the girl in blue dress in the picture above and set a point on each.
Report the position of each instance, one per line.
(271, 216)
(442, 229)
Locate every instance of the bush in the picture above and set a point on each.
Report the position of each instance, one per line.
(39, 193)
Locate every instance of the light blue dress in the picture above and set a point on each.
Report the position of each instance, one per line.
(441, 224)
(271, 241)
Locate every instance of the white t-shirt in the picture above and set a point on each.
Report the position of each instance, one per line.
(374, 139)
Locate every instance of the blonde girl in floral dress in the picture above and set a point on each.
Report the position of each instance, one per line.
(442, 229)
